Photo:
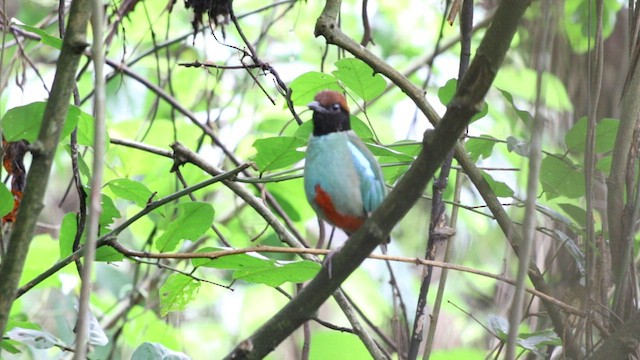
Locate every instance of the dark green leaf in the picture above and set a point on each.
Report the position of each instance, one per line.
(561, 178)
(194, 219)
(6, 200)
(130, 190)
(578, 214)
(278, 152)
(480, 147)
(177, 292)
(23, 122)
(499, 188)
(360, 78)
(305, 87)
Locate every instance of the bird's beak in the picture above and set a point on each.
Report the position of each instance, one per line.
(315, 106)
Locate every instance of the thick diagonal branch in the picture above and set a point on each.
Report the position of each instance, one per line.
(437, 144)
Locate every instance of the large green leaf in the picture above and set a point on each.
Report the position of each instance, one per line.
(606, 131)
(517, 81)
(559, 177)
(356, 75)
(194, 219)
(130, 190)
(446, 93)
(6, 200)
(305, 87)
(580, 18)
(24, 122)
(177, 292)
(255, 268)
(278, 152)
(275, 273)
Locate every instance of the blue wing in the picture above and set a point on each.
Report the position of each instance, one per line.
(372, 186)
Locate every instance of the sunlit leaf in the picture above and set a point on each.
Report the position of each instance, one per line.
(499, 188)
(517, 81)
(194, 219)
(480, 147)
(6, 200)
(305, 87)
(356, 75)
(68, 230)
(130, 190)
(23, 122)
(45, 38)
(276, 273)
(177, 292)
(580, 22)
(278, 152)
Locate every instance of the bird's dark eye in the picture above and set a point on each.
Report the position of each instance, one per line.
(335, 107)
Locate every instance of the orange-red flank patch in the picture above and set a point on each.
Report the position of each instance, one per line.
(347, 223)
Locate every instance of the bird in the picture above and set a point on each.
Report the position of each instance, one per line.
(343, 181)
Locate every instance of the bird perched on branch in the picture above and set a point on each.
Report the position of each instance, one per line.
(342, 180)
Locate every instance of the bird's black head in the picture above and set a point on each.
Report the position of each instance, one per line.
(330, 113)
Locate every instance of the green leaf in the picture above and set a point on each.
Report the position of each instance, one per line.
(108, 254)
(336, 345)
(606, 131)
(561, 178)
(525, 116)
(153, 351)
(379, 150)
(518, 146)
(578, 214)
(194, 219)
(36, 338)
(6, 200)
(177, 292)
(68, 230)
(604, 164)
(255, 268)
(499, 326)
(278, 152)
(275, 273)
(480, 147)
(45, 38)
(579, 19)
(360, 78)
(109, 212)
(305, 87)
(360, 128)
(446, 92)
(499, 188)
(517, 81)
(10, 346)
(130, 190)
(23, 122)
